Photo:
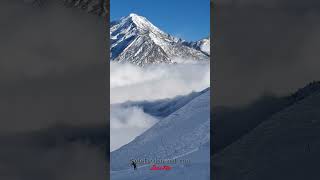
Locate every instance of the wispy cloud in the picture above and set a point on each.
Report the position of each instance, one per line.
(134, 83)
(129, 82)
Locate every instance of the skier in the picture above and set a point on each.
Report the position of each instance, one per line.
(134, 165)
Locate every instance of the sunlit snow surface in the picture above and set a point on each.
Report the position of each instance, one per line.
(184, 134)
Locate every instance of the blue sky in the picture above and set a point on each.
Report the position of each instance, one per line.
(187, 19)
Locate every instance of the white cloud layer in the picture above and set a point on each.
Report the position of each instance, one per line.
(129, 82)
(126, 123)
(132, 83)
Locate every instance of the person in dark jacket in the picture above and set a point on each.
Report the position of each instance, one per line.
(134, 165)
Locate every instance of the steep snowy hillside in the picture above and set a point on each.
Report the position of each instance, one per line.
(286, 146)
(202, 45)
(184, 133)
(136, 40)
(199, 168)
(231, 123)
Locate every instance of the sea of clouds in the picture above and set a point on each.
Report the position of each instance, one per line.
(133, 83)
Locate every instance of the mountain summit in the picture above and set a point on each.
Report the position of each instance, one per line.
(136, 40)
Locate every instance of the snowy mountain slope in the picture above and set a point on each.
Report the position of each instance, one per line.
(308, 90)
(285, 146)
(197, 169)
(135, 118)
(136, 40)
(232, 123)
(167, 139)
(202, 45)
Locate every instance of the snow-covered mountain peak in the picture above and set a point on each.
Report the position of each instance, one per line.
(201, 45)
(133, 15)
(136, 40)
(139, 20)
(140, 24)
